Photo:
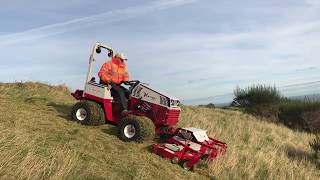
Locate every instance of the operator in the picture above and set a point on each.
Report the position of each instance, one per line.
(114, 72)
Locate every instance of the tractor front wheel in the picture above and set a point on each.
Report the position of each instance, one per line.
(134, 128)
(88, 113)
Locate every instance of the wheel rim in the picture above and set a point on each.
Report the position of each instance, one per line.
(185, 166)
(129, 130)
(174, 160)
(81, 114)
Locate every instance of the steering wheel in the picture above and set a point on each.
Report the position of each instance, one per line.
(132, 84)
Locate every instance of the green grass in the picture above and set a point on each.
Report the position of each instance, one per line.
(38, 141)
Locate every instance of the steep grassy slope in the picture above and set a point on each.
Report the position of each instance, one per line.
(37, 140)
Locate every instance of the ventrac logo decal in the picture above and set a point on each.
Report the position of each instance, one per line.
(148, 96)
(93, 90)
(137, 92)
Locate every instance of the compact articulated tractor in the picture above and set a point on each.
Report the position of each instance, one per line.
(97, 106)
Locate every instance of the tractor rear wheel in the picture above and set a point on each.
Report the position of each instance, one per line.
(88, 113)
(134, 128)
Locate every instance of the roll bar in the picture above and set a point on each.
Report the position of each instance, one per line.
(96, 50)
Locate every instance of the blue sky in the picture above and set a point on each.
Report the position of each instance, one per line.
(196, 50)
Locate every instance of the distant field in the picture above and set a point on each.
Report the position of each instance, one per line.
(38, 141)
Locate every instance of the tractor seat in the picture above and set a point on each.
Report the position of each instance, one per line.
(126, 91)
(173, 147)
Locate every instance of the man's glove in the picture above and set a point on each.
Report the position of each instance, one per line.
(124, 82)
(112, 83)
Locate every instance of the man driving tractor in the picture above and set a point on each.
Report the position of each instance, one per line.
(114, 72)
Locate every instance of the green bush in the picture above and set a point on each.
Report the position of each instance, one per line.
(260, 100)
(266, 101)
(210, 105)
(300, 114)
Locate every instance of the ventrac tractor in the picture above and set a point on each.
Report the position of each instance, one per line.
(96, 105)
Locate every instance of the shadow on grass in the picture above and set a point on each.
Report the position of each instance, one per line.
(299, 155)
(111, 130)
(35, 100)
(148, 148)
(64, 110)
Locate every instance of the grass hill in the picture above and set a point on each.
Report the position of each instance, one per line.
(38, 141)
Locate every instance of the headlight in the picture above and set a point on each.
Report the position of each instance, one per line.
(164, 101)
(174, 102)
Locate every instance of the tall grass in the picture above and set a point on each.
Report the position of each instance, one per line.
(315, 146)
(256, 149)
(266, 101)
(37, 141)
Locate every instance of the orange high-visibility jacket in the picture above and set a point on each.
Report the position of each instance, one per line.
(112, 71)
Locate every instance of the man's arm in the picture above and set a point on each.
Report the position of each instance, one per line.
(104, 73)
(125, 76)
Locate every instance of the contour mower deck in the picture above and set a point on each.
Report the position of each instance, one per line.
(187, 146)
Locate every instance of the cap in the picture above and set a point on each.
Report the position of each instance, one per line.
(121, 56)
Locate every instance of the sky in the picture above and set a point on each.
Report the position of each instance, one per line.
(196, 50)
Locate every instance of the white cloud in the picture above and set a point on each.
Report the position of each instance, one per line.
(89, 21)
(270, 55)
(314, 3)
(184, 61)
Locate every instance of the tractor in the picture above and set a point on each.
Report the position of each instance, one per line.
(149, 111)
(97, 106)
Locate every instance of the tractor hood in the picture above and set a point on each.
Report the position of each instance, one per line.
(149, 94)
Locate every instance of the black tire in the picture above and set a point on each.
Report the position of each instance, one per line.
(175, 160)
(134, 128)
(165, 136)
(205, 157)
(184, 165)
(88, 113)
